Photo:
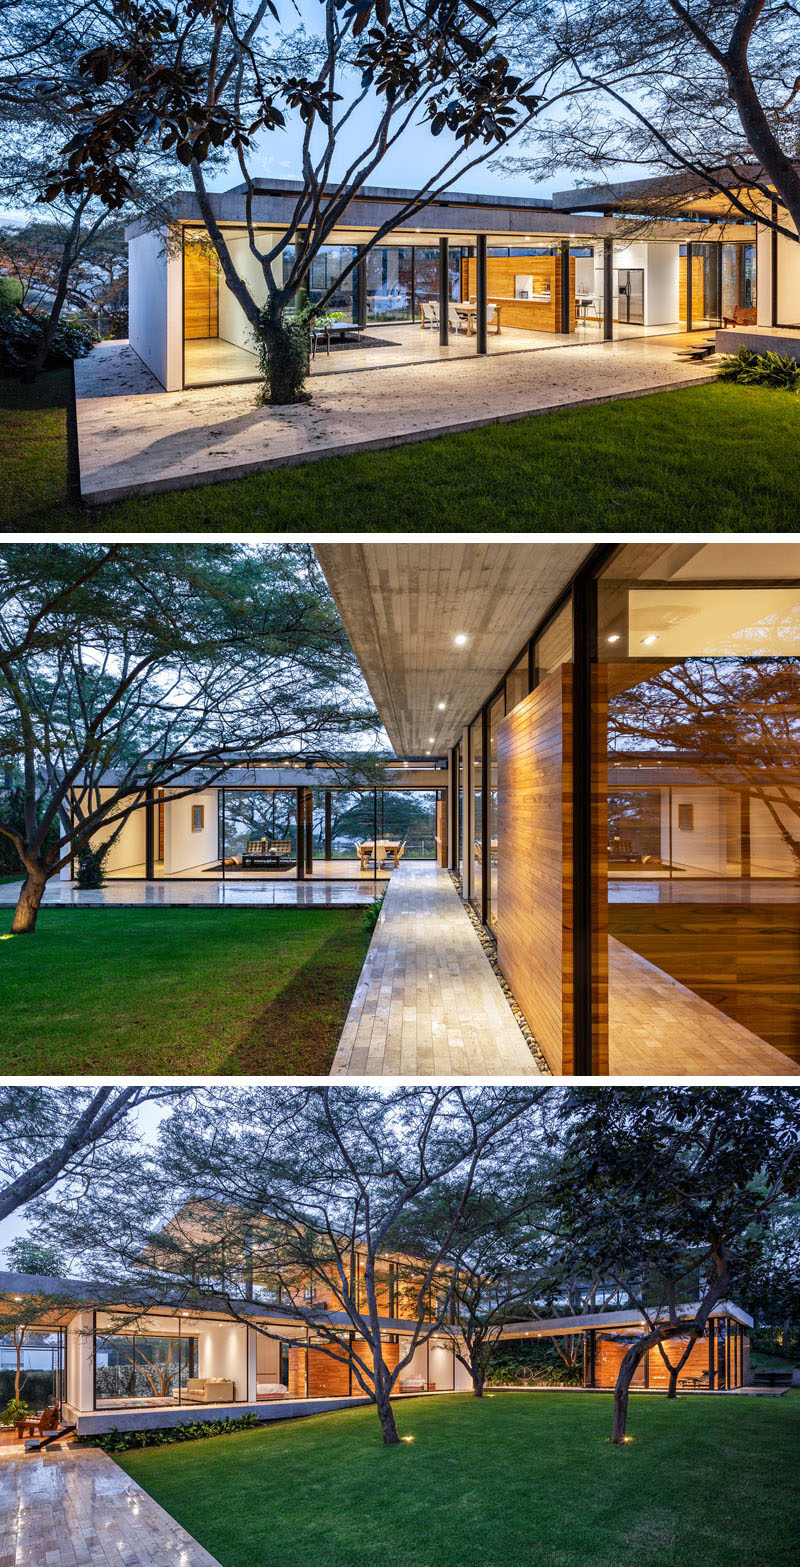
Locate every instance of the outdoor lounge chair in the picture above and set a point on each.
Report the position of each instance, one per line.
(743, 315)
(48, 1428)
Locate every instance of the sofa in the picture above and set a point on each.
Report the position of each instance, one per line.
(209, 1390)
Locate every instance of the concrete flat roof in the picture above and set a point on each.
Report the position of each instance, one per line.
(537, 1328)
(403, 604)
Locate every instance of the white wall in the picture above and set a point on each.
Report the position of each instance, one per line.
(80, 1368)
(129, 848)
(223, 1352)
(441, 1366)
(788, 281)
(155, 308)
(184, 849)
(233, 324)
(763, 276)
(661, 297)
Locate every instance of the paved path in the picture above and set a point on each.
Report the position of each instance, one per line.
(76, 1508)
(428, 1001)
(200, 894)
(134, 439)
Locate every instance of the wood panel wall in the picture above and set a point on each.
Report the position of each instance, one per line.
(651, 1371)
(441, 831)
(329, 1378)
(200, 284)
(535, 866)
(531, 314)
(743, 960)
(698, 292)
(534, 862)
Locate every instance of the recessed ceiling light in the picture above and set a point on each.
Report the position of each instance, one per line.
(441, 706)
(614, 637)
(432, 739)
(648, 641)
(460, 638)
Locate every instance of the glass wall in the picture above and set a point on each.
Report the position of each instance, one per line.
(389, 283)
(255, 814)
(476, 762)
(554, 646)
(496, 712)
(517, 682)
(701, 690)
(143, 1367)
(324, 270)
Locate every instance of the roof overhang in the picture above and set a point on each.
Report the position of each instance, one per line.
(614, 1320)
(403, 604)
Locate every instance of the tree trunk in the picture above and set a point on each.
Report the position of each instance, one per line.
(672, 1390)
(478, 1380)
(24, 922)
(620, 1410)
(36, 364)
(284, 358)
(387, 1420)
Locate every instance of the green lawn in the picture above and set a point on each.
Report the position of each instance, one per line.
(517, 1480)
(230, 991)
(712, 457)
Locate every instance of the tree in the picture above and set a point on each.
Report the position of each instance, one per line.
(50, 1137)
(28, 1256)
(669, 1192)
(312, 1190)
(223, 74)
(702, 90)
(59, 261)
(124, 667)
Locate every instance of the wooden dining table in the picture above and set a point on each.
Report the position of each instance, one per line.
(470, 312)
(384, 849)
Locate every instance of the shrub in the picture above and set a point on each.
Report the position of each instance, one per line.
(20, 335)
(116, 322)
(15, 1412)
(769, 369)
(91, 870)
(194, 1431)
(10, 293)
(372, 913)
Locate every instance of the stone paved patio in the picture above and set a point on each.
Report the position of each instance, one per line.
(200, 894)
(135, 438)
(427, 1001)
(74, 1507)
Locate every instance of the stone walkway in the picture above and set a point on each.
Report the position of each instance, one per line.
(136, 439)
(75, 1508)
(427, 1002)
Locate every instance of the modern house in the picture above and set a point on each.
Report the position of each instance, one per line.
(282, 818)
(622, 728)
(468, 273)
(133, 1365)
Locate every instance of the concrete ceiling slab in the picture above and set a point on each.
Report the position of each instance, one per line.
(404, 603)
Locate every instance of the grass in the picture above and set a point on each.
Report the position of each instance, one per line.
(229, 991)
(522, 1480)
(711, 457)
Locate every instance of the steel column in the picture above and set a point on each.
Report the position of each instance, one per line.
(300, 826)
(444, 291)
(689, 311)
(608, 288)
(328, 826)
(565, 311)
(149, 833)
(774, 267)
(480, 296)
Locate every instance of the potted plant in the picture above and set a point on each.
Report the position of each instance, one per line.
(16, 1413)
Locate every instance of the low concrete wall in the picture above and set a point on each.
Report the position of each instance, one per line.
(761, 339)
(97, 1424)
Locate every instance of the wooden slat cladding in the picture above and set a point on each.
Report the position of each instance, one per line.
(329, 1378)
(536, 315)
(199, 292)
(651, 1370)
(534, 858)
(698, 291)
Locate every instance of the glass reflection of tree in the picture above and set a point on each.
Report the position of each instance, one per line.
(158, 1368)
(734, 721)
